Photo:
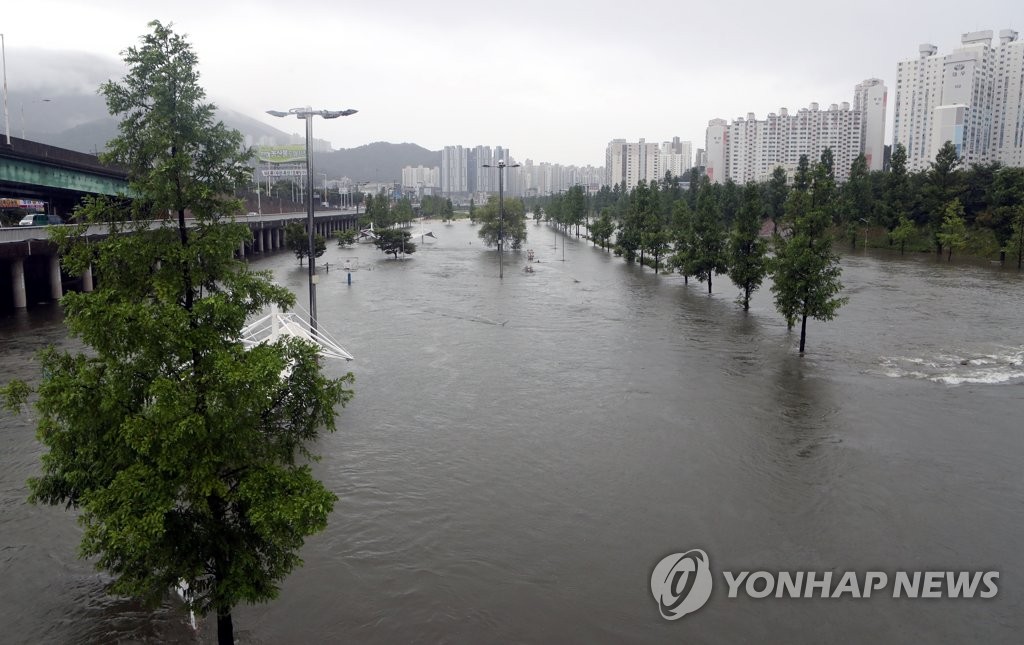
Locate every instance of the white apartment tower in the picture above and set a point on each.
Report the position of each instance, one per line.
(749, 149)
(642, 161)
(454, 164)
(613, 162)
(869, 98)
(971, 97)
(715, 143)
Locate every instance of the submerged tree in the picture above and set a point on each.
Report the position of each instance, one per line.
(1015, 244)
(806, 270)
(953, 232)
(707, 252)
(903, 232)
(395, 241)
(298, 241)
(512, 226)
(184, 453)
(748, 261)
(602, 230)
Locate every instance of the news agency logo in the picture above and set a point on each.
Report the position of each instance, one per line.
(681, 584)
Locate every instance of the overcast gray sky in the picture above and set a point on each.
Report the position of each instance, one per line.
(552, 80)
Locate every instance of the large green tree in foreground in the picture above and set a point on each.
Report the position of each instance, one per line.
(185, 454)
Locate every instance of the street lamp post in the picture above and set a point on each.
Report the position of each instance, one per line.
(308, 113)
(501, 212)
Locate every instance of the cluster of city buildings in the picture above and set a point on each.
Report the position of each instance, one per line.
(972, 97)
(472, 173)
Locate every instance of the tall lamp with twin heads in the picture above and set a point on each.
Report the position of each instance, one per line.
(308, 113)
(501, 166)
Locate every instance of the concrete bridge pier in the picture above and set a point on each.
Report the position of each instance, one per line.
(257, 241)
(87, 279)
(56, 290)
(18, 283)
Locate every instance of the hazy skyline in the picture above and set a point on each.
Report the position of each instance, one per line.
(548, 80)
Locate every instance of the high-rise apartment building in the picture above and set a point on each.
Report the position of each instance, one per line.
(418, 177)
(642, 161)
(749, 149)
(869, 98)
(454, 168)
(971, 97)
(715, 140)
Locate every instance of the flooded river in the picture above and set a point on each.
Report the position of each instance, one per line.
(521, 453)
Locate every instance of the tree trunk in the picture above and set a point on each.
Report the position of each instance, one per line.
(803, 332)
(709, 282)
(949, 257)
(746, 299)
(225, 629)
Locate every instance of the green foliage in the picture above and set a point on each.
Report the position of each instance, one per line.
(681, 230)
(402, 212)
(575, 207)
(806, 276)
(823, 183)
(642, 207)
(298, 241)
(378, 211)
(856, 200)
(894, 208)
(904, 231)
(953, 232)
(707, 247)
(513, 226)
(729, 202)
(395, 241)
(180, 449)
(602, 230)
(802, 178)
(346, 238)
(1015, 244)
(747, 251)
(944, 184)
(776, 192)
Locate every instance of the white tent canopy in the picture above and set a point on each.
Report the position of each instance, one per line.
(278, 323)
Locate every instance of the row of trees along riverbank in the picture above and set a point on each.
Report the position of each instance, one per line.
(659, 228)
(977, 209)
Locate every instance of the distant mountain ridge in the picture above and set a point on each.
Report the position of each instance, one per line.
(380, 161)
(65, 110)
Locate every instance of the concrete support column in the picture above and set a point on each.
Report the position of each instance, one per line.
(268, 244)
(87, 279)
(18, 283)
(56, 289)
(241, 250)
(257, 241)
